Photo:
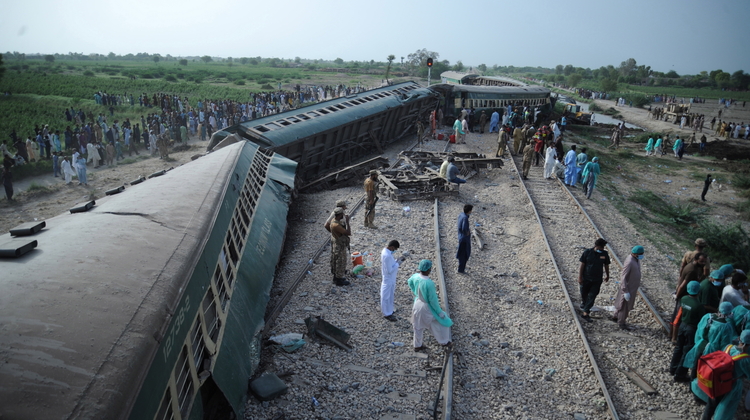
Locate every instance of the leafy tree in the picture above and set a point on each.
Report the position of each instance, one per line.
(459, 66)
(2, 67)
(156, 58)
(49, 58)
(297, 60)
(722, 79)
(230, 60)
(568, 70)
(111, 56)
(740, 79)
(338, 61)
(207, 59)
(390, 59)
(673, 74)
(714, 73)
(244, 60)
(417, 61)
(559, 69)
(609, 85)
(574, 79)
(482, 68)
(183, 62)
(628, 67)
(254, 61)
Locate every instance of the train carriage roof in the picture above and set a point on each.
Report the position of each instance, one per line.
(80, 315)
(320, 117)
(497, 90)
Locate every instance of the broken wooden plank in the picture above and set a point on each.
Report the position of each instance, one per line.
(477, 235)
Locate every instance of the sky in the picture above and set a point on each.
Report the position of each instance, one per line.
(688, 36)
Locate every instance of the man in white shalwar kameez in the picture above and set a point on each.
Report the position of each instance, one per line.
(426, 312)
(389, 270)
(67, 170)
(93, 154)
(549, 162)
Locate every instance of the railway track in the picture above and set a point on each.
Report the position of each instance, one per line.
(568, 230)
(435, 369)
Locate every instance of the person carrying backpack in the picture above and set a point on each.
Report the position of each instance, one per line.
(723, 407)
(714, 333)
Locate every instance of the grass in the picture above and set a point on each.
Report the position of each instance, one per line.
(128, 161)
(38, 189)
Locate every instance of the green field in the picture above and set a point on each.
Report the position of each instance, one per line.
(41, 91)
(680, 92)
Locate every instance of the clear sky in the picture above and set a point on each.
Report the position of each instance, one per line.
(687, 36)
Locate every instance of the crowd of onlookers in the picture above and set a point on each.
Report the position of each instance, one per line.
(102, 140)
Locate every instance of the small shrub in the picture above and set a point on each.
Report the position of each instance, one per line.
(170, 78)
(39, 189)
(741, 181)
(267, 87)
(239, 82)
(595, 108)
(88, 73)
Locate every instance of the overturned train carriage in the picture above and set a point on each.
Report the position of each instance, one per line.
(330, 135)
(150, 305)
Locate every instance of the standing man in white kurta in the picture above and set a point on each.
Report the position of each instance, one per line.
(389, 270)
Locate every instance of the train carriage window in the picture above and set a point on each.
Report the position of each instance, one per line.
(211, 316)
(165, 409)
(184, 382)
(322, 111)
(332, 109)
(284, 122)
(294, 120)
(303, 117)
(261, 128)
(198, 346)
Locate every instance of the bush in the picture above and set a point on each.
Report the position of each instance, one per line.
(239, 82)
(727, 244)
(595, 108)
(170, 78)
(267, 87)
(88, 73)
(678, 214)
(741, 181)
(643, 137)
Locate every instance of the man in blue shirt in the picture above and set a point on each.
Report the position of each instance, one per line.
(452, 172)
(464, 238)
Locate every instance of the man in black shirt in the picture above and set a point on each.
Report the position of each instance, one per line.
(594, 262)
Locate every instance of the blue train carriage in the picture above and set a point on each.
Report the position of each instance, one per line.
(151, 304)
(492, 98)
(334, 134)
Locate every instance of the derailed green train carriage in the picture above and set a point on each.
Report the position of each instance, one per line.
(330, 135)
(493, 98)
(151, 304)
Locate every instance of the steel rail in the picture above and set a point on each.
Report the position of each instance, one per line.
(571, 306)
(447, 382)
(650, 305)
(287, 295)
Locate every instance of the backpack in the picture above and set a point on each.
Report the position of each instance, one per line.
(716, 372)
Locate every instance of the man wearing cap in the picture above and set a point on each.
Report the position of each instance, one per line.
(594, 263)
(711, 290)
(389, 270)
(345, 220)
(528, 156)
(630, 281)
(725, 406)
(700, 246)
(427, 312)
(690, 272)
(692, 313)
(370, 199)
(714, 332)
(340, 234)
